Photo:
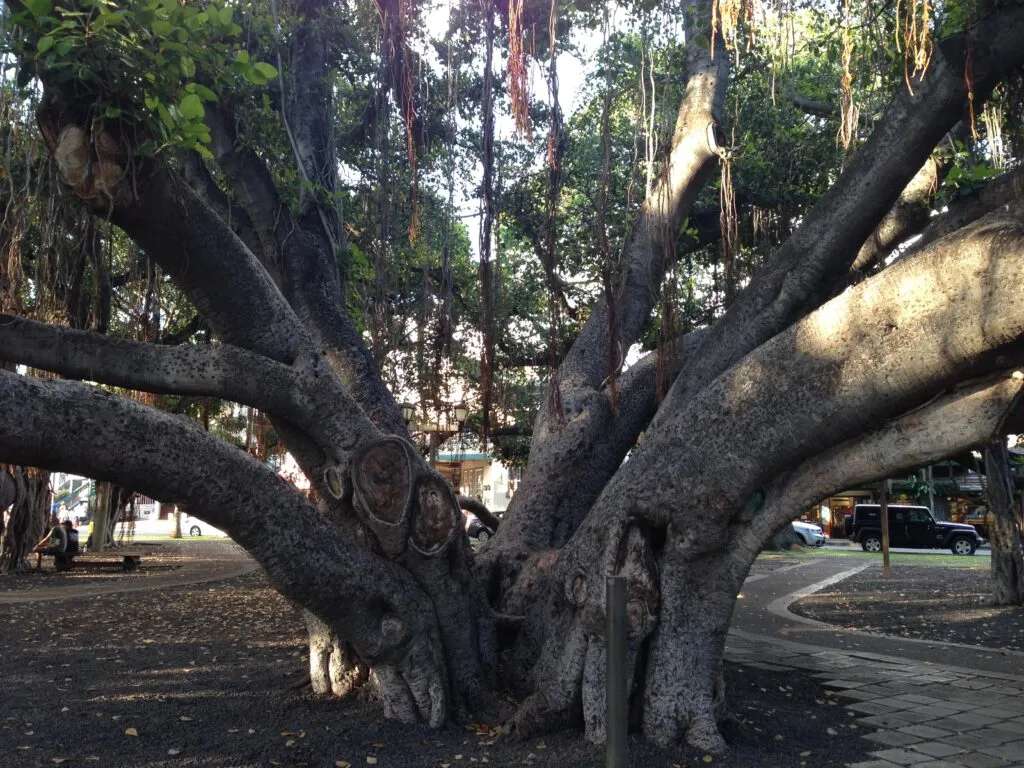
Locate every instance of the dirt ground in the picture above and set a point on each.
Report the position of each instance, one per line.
(947, 604)
(212, 675)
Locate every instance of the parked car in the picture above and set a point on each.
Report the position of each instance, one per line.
(193, 526)
(476, 529)
(190, 526)
(911, 526)
(810, 534)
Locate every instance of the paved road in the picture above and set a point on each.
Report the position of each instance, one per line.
(761, 610)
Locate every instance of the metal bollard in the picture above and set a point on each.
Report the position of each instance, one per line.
(616, 693)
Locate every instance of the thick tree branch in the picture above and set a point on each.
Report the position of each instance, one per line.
(222, 278)
(952, 424)
(906, 218)
(692, 158)
(310, 275)
(234, 215)
(812, 106)
(299, 393)
(191, 328)
(827, 241)
(959, 306)
(542, 516)
(969, 208)
(479, 509)
(371, 602)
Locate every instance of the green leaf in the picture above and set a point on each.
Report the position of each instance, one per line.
(146, 148)
(242, 57)
(265, 69)
(224, 15)
(45, 44)
(39, 8)
(112, 112)
(162, 28)
(188, 66)
(205, 93)
(254, 76)
(204, 151)
(192, 107)
(64, 47)
(165, 115)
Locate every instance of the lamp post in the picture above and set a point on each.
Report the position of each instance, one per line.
(408, 412)
(461, 413)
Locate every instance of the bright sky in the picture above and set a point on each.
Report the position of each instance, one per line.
(571, 73)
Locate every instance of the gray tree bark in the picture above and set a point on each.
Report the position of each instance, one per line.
(1004, 528)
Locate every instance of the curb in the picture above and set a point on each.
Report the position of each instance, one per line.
(781, 607)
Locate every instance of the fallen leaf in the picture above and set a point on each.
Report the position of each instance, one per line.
(185, 718)
(708, 759)
(342, 764)
(59, 760)
(173, 752)
(806, 753)
(371, 759)
(378, 745)
(130, 732)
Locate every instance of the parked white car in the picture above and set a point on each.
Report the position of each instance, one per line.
(193, 526)
(809, 533)
(190, 526)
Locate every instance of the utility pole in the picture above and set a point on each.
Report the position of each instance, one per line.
(931, 490)
(884, 502)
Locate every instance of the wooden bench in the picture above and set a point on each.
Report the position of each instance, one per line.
(126, 561)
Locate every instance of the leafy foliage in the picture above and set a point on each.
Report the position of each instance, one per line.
(152, 64)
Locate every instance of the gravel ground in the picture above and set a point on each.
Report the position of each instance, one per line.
(947, 604)
(212, 675)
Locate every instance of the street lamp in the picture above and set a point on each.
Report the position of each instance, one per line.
(408, 411)
(461, 412)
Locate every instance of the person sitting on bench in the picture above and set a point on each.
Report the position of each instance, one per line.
(72, 548)
(55, 543)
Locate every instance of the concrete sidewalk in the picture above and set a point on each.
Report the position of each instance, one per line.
(924, 704)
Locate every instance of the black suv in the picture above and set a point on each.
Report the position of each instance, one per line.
(910, 527)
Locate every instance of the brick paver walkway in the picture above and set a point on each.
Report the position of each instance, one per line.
(917, 713)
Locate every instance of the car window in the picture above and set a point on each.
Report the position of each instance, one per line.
(918, 516)
(898, 515)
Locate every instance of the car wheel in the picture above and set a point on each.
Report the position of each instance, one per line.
(483, 535)
(195, 531)
(872, 543)
(963, 546)
(803, 540)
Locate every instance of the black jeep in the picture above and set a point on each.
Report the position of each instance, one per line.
(910, 527)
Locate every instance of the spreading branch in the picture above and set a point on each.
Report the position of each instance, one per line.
(950, 425)
(971, 207)
(797, 276)
(369, 601)
(299, 393)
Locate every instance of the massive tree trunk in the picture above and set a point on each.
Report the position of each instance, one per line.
(1004, 527)
(26, 491)
(773, 407)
